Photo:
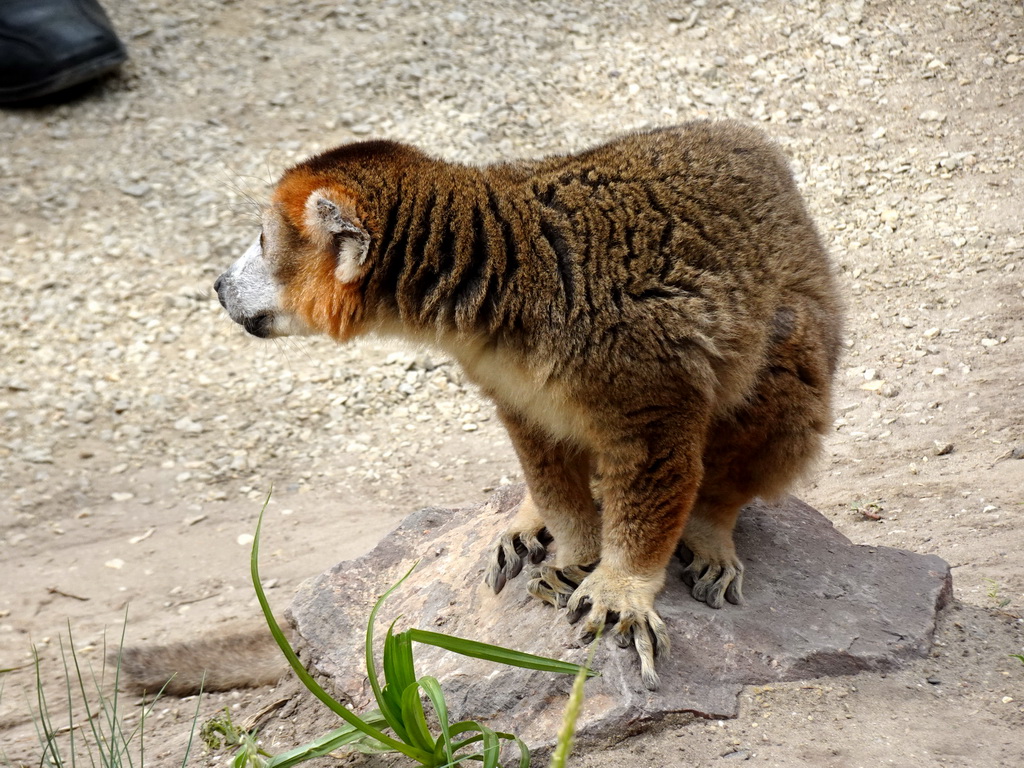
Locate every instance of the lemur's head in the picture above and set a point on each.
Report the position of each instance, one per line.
(301, 275)
(304, 273)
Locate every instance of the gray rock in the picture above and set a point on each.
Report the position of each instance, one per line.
(815, 605)
(140, 189)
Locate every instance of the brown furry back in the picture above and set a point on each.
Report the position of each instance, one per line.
(590, 265)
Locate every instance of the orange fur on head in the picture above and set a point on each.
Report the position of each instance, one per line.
(324, 303)
(294, 190)
(312, 291)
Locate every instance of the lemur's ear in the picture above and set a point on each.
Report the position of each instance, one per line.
(331, 222)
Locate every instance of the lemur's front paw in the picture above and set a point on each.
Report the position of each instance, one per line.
(507, 556)
(556, 585)
(625, 603)
(715, 578)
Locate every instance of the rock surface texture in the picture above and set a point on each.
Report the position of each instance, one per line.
(816, 605)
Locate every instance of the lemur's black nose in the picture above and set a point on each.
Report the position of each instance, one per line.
(216, 286)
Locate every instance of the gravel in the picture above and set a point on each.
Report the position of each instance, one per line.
(140, 429)
(119, 211)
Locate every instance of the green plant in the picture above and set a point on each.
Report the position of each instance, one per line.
(101, 736)
(572, 713)
(220, 732)
(872, 510)
(1017, 656)
(399, 699)
(993, 593)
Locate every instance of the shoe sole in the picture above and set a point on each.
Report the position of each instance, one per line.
(68, 78)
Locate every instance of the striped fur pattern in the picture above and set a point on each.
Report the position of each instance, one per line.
(655, 319)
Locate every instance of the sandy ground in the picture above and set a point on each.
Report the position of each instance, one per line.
(140, 430)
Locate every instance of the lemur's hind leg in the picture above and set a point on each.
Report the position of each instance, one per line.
(714, 572)
(758, 450)
(526, 539)
(559, 507)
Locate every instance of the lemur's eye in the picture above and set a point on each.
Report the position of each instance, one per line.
(261, 239)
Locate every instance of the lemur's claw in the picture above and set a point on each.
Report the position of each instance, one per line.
(555, 585)
(507, 557)
(625, 604)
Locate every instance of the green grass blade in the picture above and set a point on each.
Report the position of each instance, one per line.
(464, 726)
(567, 732)
(44, 725)
(400, 676)
(307, 680)
(390, 700)
(112, 742)
(458, 745)
(195, 717)
(394, 682)
(524, 751)
(140, 728)
(91, 718)
(393, 712)
(402, 666)
(327, 743)
(371, 665)
(496, 653)
(432, 688)
(415, 720)
(488, 739)
(491, 747)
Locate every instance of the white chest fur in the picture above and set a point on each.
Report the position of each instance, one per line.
(527, 390)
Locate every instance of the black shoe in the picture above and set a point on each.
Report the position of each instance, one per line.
(48, 46)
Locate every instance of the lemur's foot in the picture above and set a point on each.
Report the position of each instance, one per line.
(556, 585)
(624, 602)
(715, 578)
(512, 548)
